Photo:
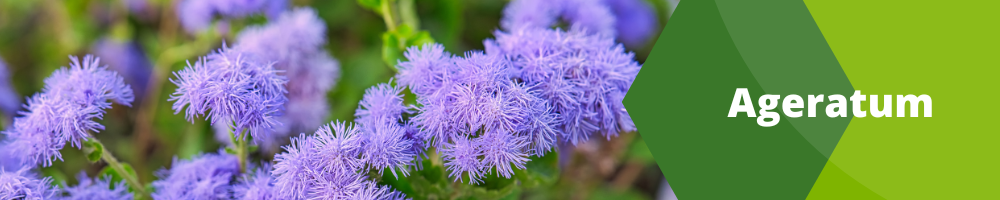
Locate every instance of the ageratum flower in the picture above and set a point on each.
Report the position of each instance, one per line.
(197, 15)
(258, 186)
(381, 102)
(591, 16)
(462, 157)
(384, 146)
(205, 176)
(233, 88)
(10, 101)
(371, 191)
(97, 189)
(22, 184)
(65, 111)
(326, 165)
(583, 77)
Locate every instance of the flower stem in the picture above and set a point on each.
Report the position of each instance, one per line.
(120, 169)
(242, 153)
(390, 22)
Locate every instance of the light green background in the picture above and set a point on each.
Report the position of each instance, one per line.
(946, 49)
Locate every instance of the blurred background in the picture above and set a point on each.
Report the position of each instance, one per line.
(142, 39)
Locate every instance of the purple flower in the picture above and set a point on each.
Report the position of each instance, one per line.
(294, 172)
(65, 110)
(97, 189)
(259, 186)
(205, 176)
(10, 101)
(127, 58)
(22, 184)
(385, 146)
(197, 15)
(371, 191)
(503, 152)
(294, 42)
(636, 21)
(326, 165)
(427, 70)
(462, 157)
(381, 102)
(234, 88)
(591, 16)
(582, 76)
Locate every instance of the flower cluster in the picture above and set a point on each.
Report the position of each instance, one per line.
(332, 163)
(206, 176)
(477, 112)
(66, 110)
(294, 42)
(632, 21)
(97, 189)
(583, 76)
(233, 88)
(197, 15)
(22, 184)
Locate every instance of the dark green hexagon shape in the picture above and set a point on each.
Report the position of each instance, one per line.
(681, 98)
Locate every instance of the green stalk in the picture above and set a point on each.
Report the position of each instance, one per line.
(387, 16)
(120, 169)
(242, 153)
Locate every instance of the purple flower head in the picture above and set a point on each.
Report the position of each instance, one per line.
(371, 191)
(22, 184)
(127, 58)
(197, 15)
(381, 102)
(258, 186)
(294, 172)
(295, 43)
(8, 161)
(503, 151)
(583, 77)
(336, 186)
(591, 16)
(385, 146)
(636, 21)
(10, 101)
(338, 148)
(462, 157)
(427, 70)
(97, 189)
(234, 88)
(205, 176)
(65, 110)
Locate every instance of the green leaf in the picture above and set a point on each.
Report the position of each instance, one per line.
(541, 171)
(93, 149)
(230, 150)
(115, 177)
(391, 52)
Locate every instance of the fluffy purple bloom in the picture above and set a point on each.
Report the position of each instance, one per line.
(583, 77)
(127, 58)
(206, 176)
(371, 191)
(381, 102)
(636, 21)
(326, 165)
(259, 186)
(97, 189)
(234, 88)
(591, 16)
(503, 152)
(10, 101)
(462, 157)
(385, 146)
(22, 184)
(294, 42)
(197, 15)
(65, 111)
